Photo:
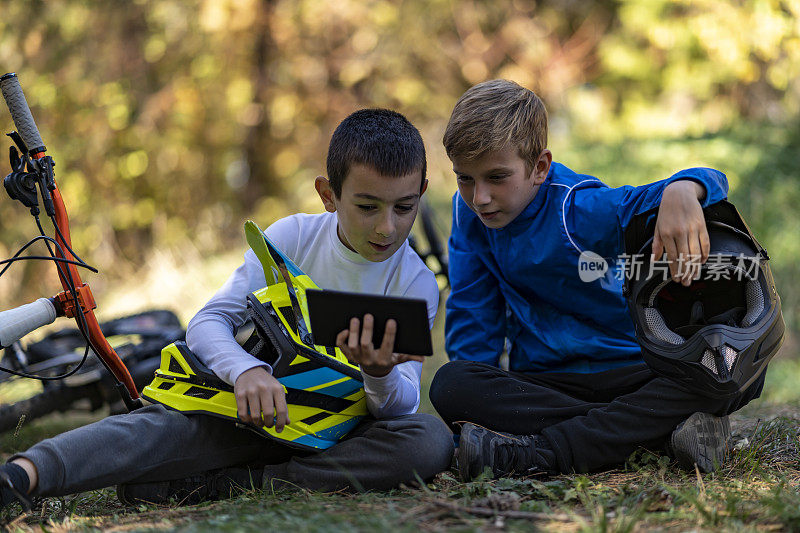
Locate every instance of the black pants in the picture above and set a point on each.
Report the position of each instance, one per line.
(591, 420)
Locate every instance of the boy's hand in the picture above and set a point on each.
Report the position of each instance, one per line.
(359, 349)
(681, 230)
(261, 399)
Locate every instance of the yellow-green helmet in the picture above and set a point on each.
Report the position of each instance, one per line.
(324, 392)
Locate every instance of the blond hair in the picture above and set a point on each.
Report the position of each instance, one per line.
(493, 115)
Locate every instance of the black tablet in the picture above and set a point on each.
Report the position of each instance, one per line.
(331, 311)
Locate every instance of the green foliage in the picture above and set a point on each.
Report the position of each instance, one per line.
(171, 122)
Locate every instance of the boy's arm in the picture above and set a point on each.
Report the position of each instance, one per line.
(596, 216)
(475, 320)
(210, 334)
(391, 380)
(680, 229)
(638, 200)
(395, 394)
(260, 398)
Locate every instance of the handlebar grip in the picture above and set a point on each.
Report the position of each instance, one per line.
(18, 322)
(21, 113)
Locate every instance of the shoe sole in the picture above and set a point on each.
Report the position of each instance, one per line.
(701, 440)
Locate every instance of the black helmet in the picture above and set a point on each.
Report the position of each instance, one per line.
(716, 336)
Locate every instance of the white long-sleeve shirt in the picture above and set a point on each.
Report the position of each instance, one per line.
(311, 241)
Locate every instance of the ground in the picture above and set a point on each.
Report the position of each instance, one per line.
(758, 489)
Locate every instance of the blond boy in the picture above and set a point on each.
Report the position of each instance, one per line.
(577, 395)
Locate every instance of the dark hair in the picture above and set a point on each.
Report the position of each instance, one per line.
(383, 139)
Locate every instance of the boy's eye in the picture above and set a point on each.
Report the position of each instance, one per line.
(463, 179)
(403, 208)
(498, 177)
(366, 207)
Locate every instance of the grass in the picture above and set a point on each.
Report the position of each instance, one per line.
(757, 490)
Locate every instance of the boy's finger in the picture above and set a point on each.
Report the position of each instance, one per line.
(672, 257)
(253, 408)
(241, 407)
(264, 414)
(389, 333)
(684, 267)
(694, 257)
(266, 409)
(366, 332)
(705, 245)
(341, 343)
(658, 248)
(281, 411)
(350, 356)
(352, 342)
(403, 357)
(341, 339)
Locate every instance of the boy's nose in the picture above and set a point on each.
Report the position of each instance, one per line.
(480, 194)
(385, 227)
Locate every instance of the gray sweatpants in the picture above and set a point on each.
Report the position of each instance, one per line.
(156, 444)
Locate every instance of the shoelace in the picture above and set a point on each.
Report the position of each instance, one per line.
(515, 455)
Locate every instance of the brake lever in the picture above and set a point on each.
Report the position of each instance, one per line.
(17, 138)
(21, 185)
(16, 162)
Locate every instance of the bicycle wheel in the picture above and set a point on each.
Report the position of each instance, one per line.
(44, 403)
(435, 257)
(435, 246)
(137, 339)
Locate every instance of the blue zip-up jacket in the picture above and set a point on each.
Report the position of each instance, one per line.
(521, 282)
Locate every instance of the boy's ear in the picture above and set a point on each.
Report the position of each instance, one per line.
(542, 167)
(325, 192)
(424, 187)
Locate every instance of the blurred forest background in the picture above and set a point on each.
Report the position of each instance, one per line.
(173, 121)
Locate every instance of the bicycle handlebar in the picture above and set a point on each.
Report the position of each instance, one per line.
(21, 113)
(18, 322)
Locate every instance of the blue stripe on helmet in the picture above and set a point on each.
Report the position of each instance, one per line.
(328, 437)
(312, 378)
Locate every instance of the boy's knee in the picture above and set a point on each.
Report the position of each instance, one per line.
(434, 448)
(448, 386)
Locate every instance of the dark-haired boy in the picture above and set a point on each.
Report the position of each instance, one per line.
(376, 166)
(578, 396)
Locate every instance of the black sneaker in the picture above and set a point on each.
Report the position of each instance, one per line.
(208, 486)
(503, 453)
(10, 492)
(702, 440)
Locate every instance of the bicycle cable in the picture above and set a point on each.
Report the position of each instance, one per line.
(71, 290)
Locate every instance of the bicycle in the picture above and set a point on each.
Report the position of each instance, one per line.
(32, 177)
